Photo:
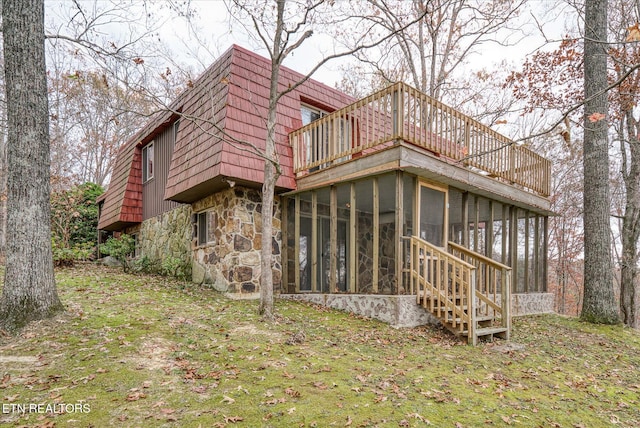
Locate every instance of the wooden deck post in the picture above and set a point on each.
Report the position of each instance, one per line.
(472, 338)
(506, 302)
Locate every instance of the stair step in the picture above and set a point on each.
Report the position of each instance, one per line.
(490, 331)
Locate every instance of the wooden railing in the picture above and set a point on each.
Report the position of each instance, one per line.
(493, 285)
(443, 284)
(401, 112)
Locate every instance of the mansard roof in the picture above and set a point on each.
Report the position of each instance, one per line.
(222, 114)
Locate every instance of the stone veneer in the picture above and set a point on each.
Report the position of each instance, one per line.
(532, 303)
(402, 310)
(167, 235)
(398, 311)
(230, 260)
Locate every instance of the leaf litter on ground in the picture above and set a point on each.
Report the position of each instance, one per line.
(151, 351)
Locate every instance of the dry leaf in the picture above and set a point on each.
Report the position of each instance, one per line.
(596, 117)
(634, 33)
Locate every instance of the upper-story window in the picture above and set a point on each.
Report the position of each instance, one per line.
(147, 162)
(309, 114)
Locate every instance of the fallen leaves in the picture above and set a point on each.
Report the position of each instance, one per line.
(135, 394)
(633, 33)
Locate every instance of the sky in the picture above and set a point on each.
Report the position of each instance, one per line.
(208, 33)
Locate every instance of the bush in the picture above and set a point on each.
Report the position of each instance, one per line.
(176, 267)
(66, 257)
(74, 223)
(145, 265)
(121, 249)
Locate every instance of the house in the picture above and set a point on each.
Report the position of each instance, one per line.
(393, 206)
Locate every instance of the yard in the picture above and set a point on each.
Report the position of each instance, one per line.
(149, 351)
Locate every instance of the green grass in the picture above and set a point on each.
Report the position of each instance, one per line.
(145, 351)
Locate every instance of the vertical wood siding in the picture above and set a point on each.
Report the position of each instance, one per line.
(153, 202)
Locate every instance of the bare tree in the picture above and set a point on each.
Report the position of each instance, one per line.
(29, 291)
(430, 54)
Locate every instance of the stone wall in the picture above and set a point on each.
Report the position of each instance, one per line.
(230, 260)
(398, 311)
(532, 303)
(167, 236)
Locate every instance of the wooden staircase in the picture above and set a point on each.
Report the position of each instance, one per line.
(462, 288)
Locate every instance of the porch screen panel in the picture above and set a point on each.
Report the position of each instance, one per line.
(386, 234)
(484, 218)
(498, 233)
(341, 237)
(432, 215)
(305, 242)
(365, 230)
(456, 227)
(521, 250)
(290, 247)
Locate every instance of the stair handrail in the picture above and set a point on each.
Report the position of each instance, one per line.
(460, 270)
(505, 283)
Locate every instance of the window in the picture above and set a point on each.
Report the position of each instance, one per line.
(147, 162)
(176, 127)
(309, 114)
(136, 247)
(314, 149)
(204, 227)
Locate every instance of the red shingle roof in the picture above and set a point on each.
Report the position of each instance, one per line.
(237, 86)
(123, 200)
(226, 105)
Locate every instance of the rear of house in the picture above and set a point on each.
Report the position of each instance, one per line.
(383, 202)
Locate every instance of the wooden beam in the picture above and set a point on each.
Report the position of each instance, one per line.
(376, 233)
(314, 241)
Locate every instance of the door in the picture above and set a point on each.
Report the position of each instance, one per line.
(432, 213)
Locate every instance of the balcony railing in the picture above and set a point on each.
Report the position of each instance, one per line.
(402, 113)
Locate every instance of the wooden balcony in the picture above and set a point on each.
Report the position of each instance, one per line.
(402, 113)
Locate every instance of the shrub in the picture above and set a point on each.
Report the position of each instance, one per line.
(176, 267)
(74, 223)
(120, 248)
(66, 257)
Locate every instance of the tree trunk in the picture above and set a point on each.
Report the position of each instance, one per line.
(599, 304)
(270, 174)
(630, 225)
(29, 291)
